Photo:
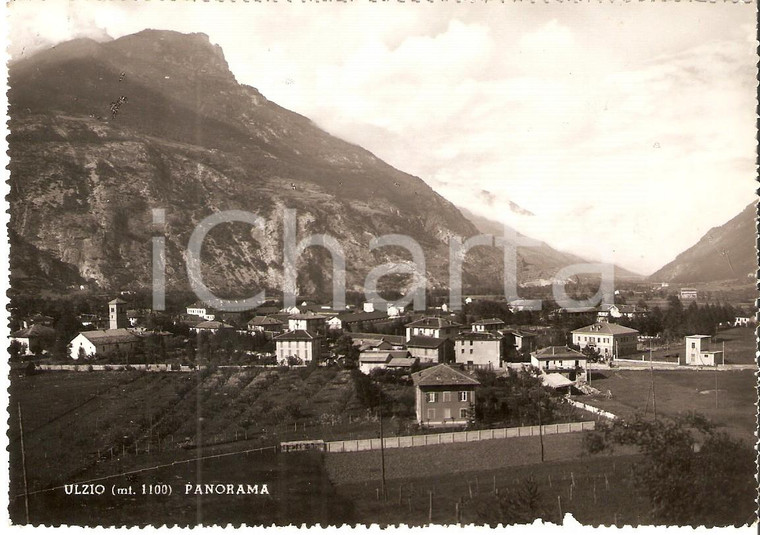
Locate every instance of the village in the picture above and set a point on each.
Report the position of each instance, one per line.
(562, 348)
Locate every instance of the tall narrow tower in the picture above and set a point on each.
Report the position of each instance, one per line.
(117, 314)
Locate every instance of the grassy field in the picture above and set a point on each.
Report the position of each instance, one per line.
(602, 490)
(102, 416)
(298, 491)
(681, 391)
(740, 345)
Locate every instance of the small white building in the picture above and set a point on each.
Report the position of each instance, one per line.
(211, 327)
(301, 345)
(432, 327)
(200, 309)
(479, 349)
(307, 321)
(743, 321)
(102, 342)
(372, 360)
(698, 351)
(488, 325)
(562, 360)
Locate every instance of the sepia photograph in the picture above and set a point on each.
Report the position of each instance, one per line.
(394, 263)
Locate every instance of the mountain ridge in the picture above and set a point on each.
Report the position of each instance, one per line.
(725, 252)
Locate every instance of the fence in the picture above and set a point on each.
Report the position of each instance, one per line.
(594, 410)
(411, 441)
(115, 367)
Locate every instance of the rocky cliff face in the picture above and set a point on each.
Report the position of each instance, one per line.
(101, 133)
(726, 252)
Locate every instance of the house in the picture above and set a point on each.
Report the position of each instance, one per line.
(688, 294)
(265, 324)
(307, 321)
(518, 343)
(299, 345)
(607, 312)
(372, 360)
(433, 327)
(443, 396)
(520, 305)
(430, 350)
(562, 360)
(479, 349)
(743, 321)
(393, 311)
(355, 320)
(360, 339)
(402, 363)
(210, 327)
(102, 343)
(698, 352)
(37, 319)
(34, 339)
(610, 339)
(136, 317)
(489, 325)
(200, 309)
(375, 345)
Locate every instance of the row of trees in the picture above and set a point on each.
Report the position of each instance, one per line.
(678, 321)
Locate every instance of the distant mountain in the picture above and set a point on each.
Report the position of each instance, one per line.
(538, 264)
(726, 252)
(101, 133)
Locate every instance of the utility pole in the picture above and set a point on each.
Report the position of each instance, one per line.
(382, 445)
(540, 427)
(23, 464)
(651, 371)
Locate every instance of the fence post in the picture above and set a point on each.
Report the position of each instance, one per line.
(430, 507)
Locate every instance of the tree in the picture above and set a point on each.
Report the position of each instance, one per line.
(692, 474)
(16, 349)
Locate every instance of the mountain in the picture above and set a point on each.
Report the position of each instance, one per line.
(101, 133)
(538, 265)
(104, 132)
(726, 252)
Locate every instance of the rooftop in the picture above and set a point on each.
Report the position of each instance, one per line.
(427, 342)
(264, 320)
(34, 331)
(296, 336)
(109, 336)
(433, 323)
(442, 375)
(117, 301)
(491, 321)
(213, 325)
(606, 328)
(558, 352)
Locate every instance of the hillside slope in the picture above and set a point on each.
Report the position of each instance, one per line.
(101, 133)
(726, 252)
(538, 265)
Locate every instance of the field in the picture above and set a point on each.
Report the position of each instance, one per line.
(602, 490)
(740, 346)
(77, 424)
(681, 391)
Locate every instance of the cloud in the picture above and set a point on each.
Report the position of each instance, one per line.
(628, 141)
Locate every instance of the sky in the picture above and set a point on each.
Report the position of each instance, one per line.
(624, 131)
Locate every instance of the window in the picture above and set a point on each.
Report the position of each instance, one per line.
(463, 413)
(693, 345)
(446, 414)
(470, 351)
(447, 396)
(464, 396)
(431, 414)
(430, 397)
